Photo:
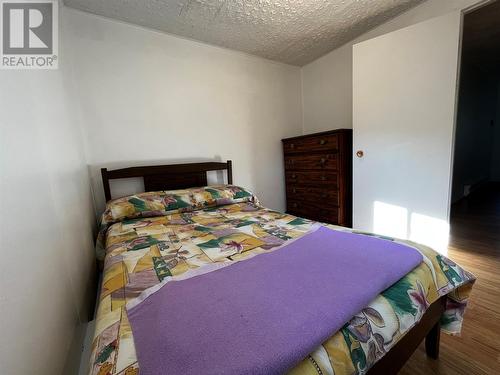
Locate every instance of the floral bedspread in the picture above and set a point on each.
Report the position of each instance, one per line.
(147, 237)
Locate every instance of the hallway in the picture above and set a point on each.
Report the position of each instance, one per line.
(474, 244)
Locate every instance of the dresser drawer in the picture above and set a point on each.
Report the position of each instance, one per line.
(311, 178)
(319, 143)
(325, 196)
(312, 212)
(315, 161)
(318, 176)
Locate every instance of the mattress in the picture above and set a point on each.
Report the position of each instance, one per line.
(148, 237)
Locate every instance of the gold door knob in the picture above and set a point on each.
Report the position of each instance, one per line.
(360, 153)
(322, 141)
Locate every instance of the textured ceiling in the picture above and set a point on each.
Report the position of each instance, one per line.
(291, 31)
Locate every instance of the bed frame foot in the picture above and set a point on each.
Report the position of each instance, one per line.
(432, 341)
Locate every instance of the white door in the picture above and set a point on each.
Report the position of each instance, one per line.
(404, 94)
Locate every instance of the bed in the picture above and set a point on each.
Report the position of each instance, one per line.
(148, 237)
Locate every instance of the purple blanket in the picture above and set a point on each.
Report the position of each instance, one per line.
(265, 314)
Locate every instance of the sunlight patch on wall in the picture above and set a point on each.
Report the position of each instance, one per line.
(390, 220)
(396, 221)
(430, 231)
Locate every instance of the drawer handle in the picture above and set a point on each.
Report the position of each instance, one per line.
(292, 145)
(322, 161)
(295, 205)
(294, 176)
(294, 190)
(323, 195)
(322, 142)
(323, 178)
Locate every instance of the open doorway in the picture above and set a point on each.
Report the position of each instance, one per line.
(476, 170)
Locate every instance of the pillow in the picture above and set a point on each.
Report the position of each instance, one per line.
(161, 203)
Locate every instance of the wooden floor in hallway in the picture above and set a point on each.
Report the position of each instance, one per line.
(475, 245)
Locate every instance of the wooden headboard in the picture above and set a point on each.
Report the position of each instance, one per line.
(167, 177)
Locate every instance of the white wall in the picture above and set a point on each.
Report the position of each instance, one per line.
(327, 82)
(47, 256)
(150, 97)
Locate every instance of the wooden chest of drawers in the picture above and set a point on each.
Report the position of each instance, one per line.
(318, 176)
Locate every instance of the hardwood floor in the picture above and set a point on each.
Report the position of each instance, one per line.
(475, 245)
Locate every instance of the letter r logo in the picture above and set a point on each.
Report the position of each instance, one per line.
(27, 27)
